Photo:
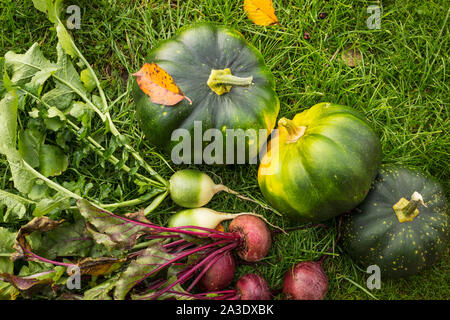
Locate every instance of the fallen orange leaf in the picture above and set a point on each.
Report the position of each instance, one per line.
(155, 82)
(261, 12)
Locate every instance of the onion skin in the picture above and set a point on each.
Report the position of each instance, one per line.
(255, 235)
(220, 274)
(305, 281)
(253, 287)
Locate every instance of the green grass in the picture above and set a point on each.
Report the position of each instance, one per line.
(401, 86)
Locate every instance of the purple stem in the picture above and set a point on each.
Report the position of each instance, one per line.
(56, 263)
(202, 296)
(205, 269)
(204, 229)
(183, 247)
(229, 296)
(161, 236)
(183, 255)
(216, 292)
(212, 232)
(191, 271)
(174, 243)
(156, 284)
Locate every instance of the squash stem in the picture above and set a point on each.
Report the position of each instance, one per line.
(221, 81)
(294, 132)
(416, 198)
(408, 210)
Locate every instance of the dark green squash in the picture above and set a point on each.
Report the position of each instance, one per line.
(228, 83)
(320, 164)
(374, 235)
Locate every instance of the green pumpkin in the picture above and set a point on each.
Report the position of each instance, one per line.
(402, 225)
(230, 88)
(320, 164)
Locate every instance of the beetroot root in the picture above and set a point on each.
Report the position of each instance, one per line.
(253, 287)
(256, 237)
(305, 281)
(220, 274)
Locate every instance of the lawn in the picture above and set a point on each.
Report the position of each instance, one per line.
(400, 84)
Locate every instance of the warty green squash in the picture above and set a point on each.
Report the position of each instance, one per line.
(402, 225)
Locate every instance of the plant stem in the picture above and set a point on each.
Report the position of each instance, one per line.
(211, 233)
(221, 81)
(179, 257)
(50, 183)
(70, 194)
(56, 263)
(147, 243)
(294, 132)
(105, 116)
(416, 199)
(174, 244)
(188, 274)
(156, 202)
(97, 148)
(205, 269)
(127, 203)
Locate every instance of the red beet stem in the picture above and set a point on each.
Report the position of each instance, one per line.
(188, 274)
(183, 255)
(205, 269)
(173, 244)
(211, 233)
(183, 247)
(56, 263)
(162, 236)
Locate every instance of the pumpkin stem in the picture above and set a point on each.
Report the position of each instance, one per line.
(407, 210)
(294, 131)
(221, 81)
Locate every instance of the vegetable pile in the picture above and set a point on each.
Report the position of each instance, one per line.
(75, 243)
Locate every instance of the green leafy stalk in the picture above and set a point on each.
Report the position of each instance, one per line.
(94, 145)
(17, 205)
(52, 9)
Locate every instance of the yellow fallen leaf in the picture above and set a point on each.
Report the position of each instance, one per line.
(155, 82)
(261, 12)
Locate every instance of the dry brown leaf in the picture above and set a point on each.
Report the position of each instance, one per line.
(99, 266)
(351, 56)
(41, 224)
(22, 283)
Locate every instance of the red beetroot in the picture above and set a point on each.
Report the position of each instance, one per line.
(248, 235)
(306, 281)
(220, 274)
(253, 287)
(256, 238)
